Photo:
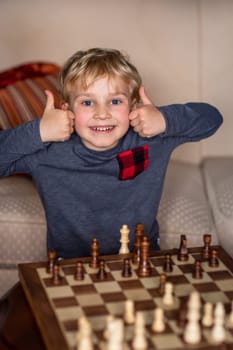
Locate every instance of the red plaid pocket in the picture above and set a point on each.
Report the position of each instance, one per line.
(132, 162)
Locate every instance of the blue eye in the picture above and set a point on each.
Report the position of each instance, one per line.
(87, 103)
(116, 102)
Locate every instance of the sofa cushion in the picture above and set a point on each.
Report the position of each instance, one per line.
(218, 175)
(23, 98)
(184, 208)
(22, 221)
(27, 71)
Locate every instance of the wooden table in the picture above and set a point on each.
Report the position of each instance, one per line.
(18, 329)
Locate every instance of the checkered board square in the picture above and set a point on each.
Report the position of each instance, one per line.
(96, 299)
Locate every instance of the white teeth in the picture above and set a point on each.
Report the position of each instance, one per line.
(103, 128)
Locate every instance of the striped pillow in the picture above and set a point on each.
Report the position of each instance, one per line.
(25, 99)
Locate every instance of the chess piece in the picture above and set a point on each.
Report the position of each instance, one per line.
(207, 319)
(138, 234)
(144, 268)
(206, 248)
(124, 239)
(84, 336)
(167, 267)
(230, 317)
(129, 312)
(79, 271)
(197, 271)
(168, 298)
(101, 274)
(182, 316)
(192, 332)
(139, 342)
(106, 333)
(162, 282)
(56, 278)
(51, 260)
(213, 261)
(183, 250)
(126, 271)
(115, 334)
(158, 325)
(218, 331)
(94, 263)
(139, 230)
(194, 301)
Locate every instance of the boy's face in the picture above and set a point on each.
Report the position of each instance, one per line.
(101, 112)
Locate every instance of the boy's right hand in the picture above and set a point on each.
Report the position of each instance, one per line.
(56, 124)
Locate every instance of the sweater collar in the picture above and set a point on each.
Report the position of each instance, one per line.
(93, 157)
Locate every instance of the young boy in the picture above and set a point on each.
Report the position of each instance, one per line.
(99, 162)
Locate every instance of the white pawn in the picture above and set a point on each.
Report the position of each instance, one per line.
(139, 341)
(124, 239)
(194, 301)
(192, 332)
(230, 318)
(84, 339)
(129, 313)
(158, 324)
(207, 319)
(115, 334)
(108, 322)
(168, 298)
(218, 331)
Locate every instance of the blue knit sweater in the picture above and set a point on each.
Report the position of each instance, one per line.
(80, 188)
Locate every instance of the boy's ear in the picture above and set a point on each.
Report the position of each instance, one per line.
(64, 106)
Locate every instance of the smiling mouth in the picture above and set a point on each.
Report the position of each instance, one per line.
(102, 128)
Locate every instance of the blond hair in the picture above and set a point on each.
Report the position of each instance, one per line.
(96, 63)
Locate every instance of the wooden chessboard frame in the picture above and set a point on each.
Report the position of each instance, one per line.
(41, 308)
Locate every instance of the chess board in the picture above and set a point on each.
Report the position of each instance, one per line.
(57, 308)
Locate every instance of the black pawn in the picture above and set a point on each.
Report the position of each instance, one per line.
(79, 271)
(167, 267)
(206, 249)
(213, 261)
(197, 271)
(51, 260)
(102, 274)
(126, 272)
(162, 282)
(182, 315)
(57, 279)
(183, 250)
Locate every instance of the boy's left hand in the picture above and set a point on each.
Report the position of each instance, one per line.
(147, 120)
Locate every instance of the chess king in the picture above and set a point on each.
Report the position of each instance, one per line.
(99, 160)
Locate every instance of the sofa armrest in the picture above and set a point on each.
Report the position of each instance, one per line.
(218, 176)
(184, 208)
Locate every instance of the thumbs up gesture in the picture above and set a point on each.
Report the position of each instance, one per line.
(56, 124)
(146, 119)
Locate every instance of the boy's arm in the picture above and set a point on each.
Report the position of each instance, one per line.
(191, 121)
(17, 144)
(186, 122)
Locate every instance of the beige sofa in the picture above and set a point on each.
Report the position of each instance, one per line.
(197, 199)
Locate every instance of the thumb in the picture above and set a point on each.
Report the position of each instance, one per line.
(50, 100)
(144, 98)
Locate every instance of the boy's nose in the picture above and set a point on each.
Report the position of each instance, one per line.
(102, 113)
